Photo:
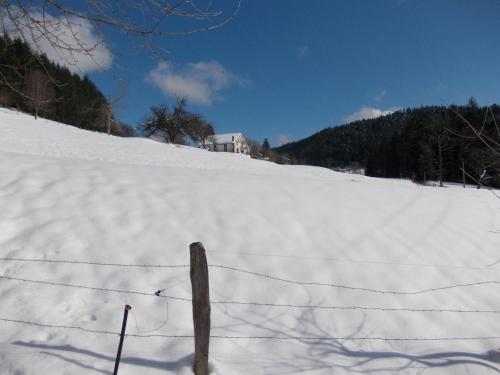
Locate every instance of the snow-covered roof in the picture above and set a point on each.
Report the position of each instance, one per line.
(226, 138)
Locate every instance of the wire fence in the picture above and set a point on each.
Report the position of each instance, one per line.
(64, 261)
(262, 275)
(160, 294)
(266, 254)
(243, 337)
(339, 286)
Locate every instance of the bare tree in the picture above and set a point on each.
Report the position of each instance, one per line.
(177, 122)
(112, 103)
(199, 130)
(4, 99)
(169, 125)
(481, 134)
(255, 148)
(63, 27)
(489, 158)
(38, 91)
(157, 122)
(59, 23)
(440, 138)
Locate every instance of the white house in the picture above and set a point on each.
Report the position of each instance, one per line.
(230, 142)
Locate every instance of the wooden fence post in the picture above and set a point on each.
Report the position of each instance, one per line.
(201, 307)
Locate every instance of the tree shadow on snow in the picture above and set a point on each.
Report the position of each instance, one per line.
(304, 355)
(337, 354)
(47, 349)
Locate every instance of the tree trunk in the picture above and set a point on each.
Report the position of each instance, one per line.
(440, 153)
(108, 117)
(463, 173)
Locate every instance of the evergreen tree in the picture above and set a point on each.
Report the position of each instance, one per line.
(264, 149)
(422, 143)
(31, 83)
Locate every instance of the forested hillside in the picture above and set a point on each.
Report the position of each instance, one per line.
(342, 145)
(423, 143)
(33, 84)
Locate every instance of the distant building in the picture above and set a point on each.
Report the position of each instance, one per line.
(230, 142)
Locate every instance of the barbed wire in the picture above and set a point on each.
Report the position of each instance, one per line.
(355, 261)
(98, 289)
(270, 277)
(92, 263)
(369, 308)
(245, 303)
(340, 286)
(146, 265)
(251, 337)
(58, 326)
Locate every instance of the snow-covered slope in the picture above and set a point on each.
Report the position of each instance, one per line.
(68, 194)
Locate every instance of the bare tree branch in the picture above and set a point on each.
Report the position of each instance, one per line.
(495, 122)
(59, 25)
(491, 144)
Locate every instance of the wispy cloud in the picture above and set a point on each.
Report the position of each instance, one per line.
(304, 51)
(380, 96)
(282, 139)
(69, 41)
(199, 83)
(368, 112)
(440, 87)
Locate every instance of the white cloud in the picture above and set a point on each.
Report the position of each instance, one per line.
(368, 112)
(199, 82)
(380, 96)
(282, 139)
(85, 51)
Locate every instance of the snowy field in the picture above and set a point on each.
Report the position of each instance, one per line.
(68, 194)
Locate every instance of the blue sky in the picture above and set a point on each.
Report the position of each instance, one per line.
(286, 69)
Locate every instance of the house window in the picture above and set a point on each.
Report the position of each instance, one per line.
(225, 147)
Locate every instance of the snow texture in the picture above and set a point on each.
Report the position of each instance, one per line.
(69, 194)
